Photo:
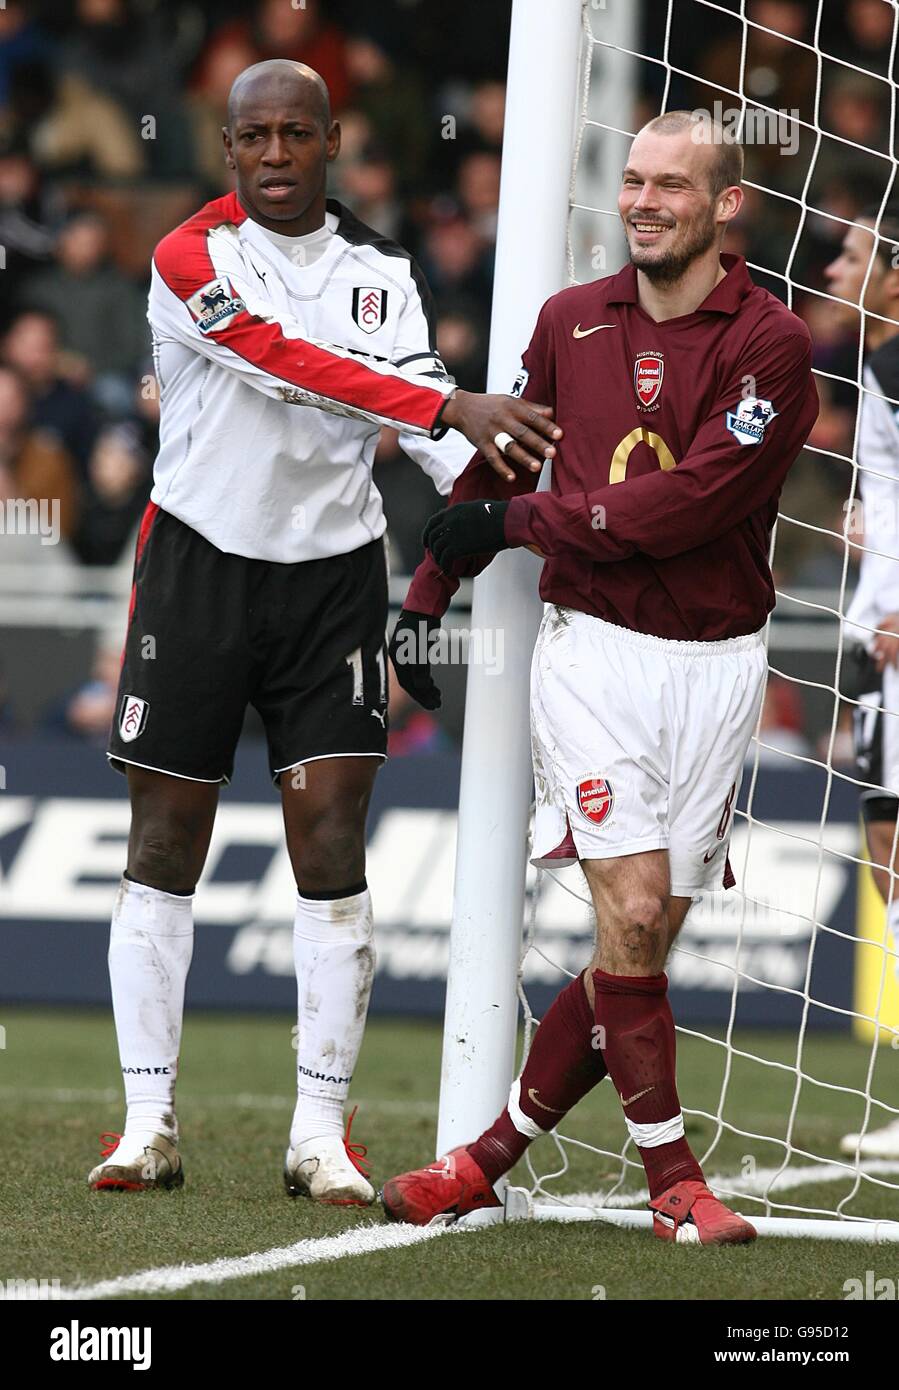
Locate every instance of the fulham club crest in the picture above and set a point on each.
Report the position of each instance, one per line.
(133, 718)
(595, 799)
(369, 308)
(649, 369)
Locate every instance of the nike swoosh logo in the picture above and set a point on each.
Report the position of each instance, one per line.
(532, 1095)
(579, 332)
(626, 1103)
(707, 858)
(487, 506)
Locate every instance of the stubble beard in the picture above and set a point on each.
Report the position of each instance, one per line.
(670, 267)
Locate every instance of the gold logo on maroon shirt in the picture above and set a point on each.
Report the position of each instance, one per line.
(641, 435)
(649, 372)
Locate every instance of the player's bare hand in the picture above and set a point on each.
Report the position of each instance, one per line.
(885, 647)
(481, 418)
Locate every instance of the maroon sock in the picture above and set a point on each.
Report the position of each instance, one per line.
(638, 1044)
(562, 1066)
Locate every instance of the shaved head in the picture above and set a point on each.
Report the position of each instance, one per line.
(678, 192)
(280, 78)
(280, 138)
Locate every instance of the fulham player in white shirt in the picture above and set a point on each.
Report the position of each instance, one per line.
(286, 333)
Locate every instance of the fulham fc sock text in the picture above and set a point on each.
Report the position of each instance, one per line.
(150, 949)
(334, 954)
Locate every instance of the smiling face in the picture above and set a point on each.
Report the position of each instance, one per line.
(670, 214)
(280, 139)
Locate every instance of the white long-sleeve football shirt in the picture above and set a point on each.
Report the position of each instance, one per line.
(275, 378)
(877, 594)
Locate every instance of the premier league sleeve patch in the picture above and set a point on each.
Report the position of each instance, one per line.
(748, 422)
(520, 382)
(215, 303)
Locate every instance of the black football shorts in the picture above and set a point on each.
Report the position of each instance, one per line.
(210, 633)
(861, 681)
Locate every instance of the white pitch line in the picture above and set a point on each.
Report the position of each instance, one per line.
(369, 1239)
(756, 1185)
(735, 1184)
(364, 1240)
(245, 1100)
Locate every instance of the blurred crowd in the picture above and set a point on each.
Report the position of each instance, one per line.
(110, 134)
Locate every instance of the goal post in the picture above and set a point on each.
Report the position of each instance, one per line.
(495, 789)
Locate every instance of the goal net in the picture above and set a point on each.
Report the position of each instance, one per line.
(784, 988)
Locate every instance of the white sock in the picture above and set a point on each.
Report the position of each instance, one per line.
(150, 948)
(658, 1132)
(522, 1122)
(334, 954)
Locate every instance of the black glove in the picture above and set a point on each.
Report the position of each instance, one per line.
(858, 673)
(409, 648)
(469, 528)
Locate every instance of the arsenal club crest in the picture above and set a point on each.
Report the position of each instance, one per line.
(649, 370)
(369, 308)
(595, 799)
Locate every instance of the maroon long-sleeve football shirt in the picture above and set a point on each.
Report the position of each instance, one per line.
(677, 439)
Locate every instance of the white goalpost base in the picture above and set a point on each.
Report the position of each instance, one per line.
(520, 1206)
(557, 204)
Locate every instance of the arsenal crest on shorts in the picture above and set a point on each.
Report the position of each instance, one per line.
(595, 799)
(369, 308)
(649, 369)
(133, 718)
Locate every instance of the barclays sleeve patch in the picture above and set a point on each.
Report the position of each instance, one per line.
(748, 422)
(213, 304)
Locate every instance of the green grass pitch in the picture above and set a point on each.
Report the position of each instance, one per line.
(59, 1085)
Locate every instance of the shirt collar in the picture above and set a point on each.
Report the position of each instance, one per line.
(725, 298)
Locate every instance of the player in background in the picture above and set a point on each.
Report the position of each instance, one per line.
(285, 334)
(870, 670)
(685, 393)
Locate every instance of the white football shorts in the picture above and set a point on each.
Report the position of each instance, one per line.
(639, 744)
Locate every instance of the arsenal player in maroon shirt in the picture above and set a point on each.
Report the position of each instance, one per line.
(685, 394)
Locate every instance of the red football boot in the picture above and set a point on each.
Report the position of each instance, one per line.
(453, 1184)
(689, 1212)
